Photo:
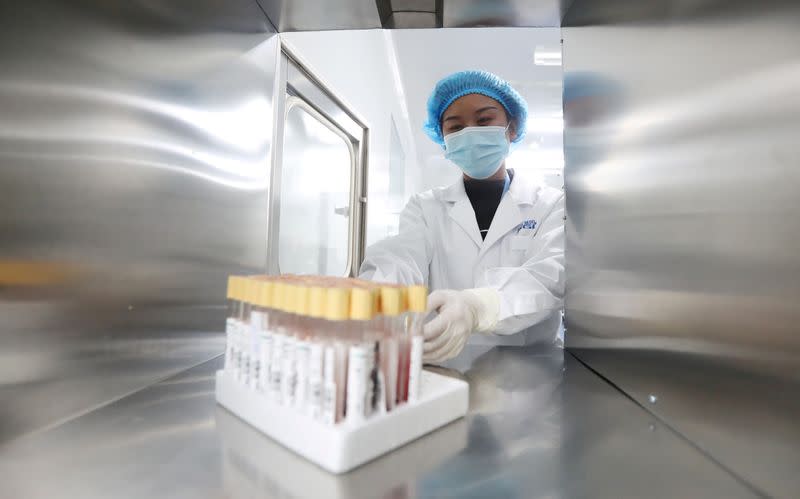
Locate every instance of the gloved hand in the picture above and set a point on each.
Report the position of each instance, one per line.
(461, 313)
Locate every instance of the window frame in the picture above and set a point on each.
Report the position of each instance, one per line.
(296, 86)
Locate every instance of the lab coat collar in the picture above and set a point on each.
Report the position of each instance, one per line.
(513, 209)
(455, 192)
(521, 192)
(461, 212)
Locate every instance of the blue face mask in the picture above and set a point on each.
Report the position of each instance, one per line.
(477, 150)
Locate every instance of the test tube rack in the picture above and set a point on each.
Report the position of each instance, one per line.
(254, 465)
(341, 447)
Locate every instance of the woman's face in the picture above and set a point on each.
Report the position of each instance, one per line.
(475, 110)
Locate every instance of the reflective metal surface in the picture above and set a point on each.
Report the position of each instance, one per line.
(134, 149)
(248, 465)
(540, 425)
(614, 12)
(537, 13)
(749, 424)
(682, 186)
(313, 15)
(682, 175)
(410, 13)
(317, 15)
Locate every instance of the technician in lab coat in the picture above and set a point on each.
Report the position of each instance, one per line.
(490, 246)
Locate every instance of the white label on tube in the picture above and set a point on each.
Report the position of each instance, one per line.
(372, 387)
(415, 367)
(288, 373)
(315, 357)
(255, 360)
(255, 349)
(301, 353)
(381, 400)
(329, 387)
(237, 358)
(230, 331)
(392, 358)
(357, 371)
(276, 366)
(241, 351)
(244, 353)
(265, 339)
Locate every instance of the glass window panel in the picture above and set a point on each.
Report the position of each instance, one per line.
(314, 197)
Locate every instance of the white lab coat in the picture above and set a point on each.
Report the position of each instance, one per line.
(439, 244)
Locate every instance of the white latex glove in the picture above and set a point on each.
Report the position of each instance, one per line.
(461, 313)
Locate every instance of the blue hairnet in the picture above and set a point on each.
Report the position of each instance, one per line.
(473, 82)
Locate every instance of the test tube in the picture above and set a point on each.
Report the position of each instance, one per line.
(316, 353)
(253, 345)
(391, 309)
(230, 321)
(278, 339)
(302, 347)
(264, 337)
(288, 372)
(245, 330)
(417, 306)
(337, 310)
(239, 293)
(361, 355)
(404, 354)
(374, 335)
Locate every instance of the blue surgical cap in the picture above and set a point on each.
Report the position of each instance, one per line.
(473, 82)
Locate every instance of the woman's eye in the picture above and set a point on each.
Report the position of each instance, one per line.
(454, 128)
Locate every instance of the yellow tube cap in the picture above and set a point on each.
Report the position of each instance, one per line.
(417, 298)
(362, 304)
(265, 294)
(289, 298)
(301, 297)
(337, 306)
(278, 295)
(391, 301)
(316, 302)
(253, 288)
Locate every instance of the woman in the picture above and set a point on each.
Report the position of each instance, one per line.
(490, 246)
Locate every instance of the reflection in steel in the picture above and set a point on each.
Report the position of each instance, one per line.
(683, 221)
(540, 425)
(249, 459)
(538, 13)
(134, 151)
(311, 15)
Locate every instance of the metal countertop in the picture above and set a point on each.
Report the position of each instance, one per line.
(540, 425)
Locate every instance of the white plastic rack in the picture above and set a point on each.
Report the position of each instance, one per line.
(341, 447)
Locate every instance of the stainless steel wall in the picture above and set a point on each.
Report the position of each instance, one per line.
(684, 220)
(683, 179)
(311, 15)
(134, 151)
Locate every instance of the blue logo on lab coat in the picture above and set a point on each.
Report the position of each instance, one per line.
(528, 224)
